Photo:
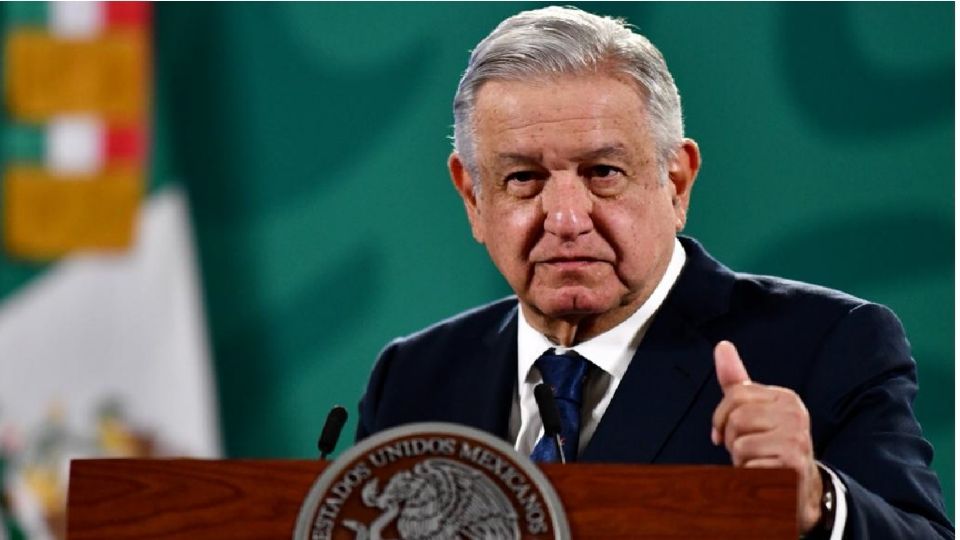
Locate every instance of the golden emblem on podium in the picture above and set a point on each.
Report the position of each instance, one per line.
(431, 480)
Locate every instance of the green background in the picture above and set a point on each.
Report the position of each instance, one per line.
(312, 140)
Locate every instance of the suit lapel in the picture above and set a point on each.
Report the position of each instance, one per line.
(488, 391)
(669, 369)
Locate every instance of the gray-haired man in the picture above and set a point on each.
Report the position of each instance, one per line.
(575, 174)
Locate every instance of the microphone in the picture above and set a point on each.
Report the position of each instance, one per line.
(331, 430)
(550, 415)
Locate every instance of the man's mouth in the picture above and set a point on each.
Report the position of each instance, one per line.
(570, 262)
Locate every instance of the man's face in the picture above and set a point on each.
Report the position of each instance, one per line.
(572, 207)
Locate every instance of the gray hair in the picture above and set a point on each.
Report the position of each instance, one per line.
(565, 40)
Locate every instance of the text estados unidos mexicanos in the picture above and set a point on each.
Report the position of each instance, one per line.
(527, 497)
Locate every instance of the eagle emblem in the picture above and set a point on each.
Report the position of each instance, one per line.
(438, 499)
(431, 481)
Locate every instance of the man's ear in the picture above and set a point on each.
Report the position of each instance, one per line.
(682, 172)
(464, 183)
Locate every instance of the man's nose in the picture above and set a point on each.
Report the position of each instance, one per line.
(567, 207)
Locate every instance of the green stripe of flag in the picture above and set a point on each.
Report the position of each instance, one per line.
(19, 142)
(20, 14)
(23, 143)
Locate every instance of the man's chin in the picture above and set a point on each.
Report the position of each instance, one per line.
(573, 303)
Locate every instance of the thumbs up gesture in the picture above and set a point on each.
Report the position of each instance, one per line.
(765, 427)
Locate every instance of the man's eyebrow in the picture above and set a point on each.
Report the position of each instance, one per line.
(612, 150)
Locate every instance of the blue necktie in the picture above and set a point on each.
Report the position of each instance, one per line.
(564, 373)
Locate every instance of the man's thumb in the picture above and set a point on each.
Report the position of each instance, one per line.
(730, 370)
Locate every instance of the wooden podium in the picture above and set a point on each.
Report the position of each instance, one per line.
(237, 499)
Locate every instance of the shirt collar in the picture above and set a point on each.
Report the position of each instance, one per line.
(612, 350)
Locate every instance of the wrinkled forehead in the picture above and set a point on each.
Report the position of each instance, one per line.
(572, 114)
(553, 84)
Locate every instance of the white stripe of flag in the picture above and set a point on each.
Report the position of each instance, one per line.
(75, 20)
(75, 144)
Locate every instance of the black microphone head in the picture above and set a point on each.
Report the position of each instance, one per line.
(331, 430)
(549, 412)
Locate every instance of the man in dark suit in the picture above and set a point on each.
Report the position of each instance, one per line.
(574, 172)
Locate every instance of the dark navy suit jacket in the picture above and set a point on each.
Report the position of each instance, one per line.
(847, 359)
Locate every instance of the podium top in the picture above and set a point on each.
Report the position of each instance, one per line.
(249, 499)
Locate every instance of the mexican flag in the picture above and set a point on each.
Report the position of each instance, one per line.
(103, 347)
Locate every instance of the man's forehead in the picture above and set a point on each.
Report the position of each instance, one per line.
(499, 93)
(571, 102)
(574, 117)
(615, 150)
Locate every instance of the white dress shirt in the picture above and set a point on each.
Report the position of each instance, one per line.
(611, 352)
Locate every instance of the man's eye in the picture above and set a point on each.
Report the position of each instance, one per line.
(603, 171)
(523, 176)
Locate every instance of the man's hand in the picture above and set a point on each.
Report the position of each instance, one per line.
(765, 427)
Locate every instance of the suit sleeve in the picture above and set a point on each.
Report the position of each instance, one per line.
(866, 430)
(369, 402)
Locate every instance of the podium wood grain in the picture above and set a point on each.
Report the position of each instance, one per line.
(258, 500)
